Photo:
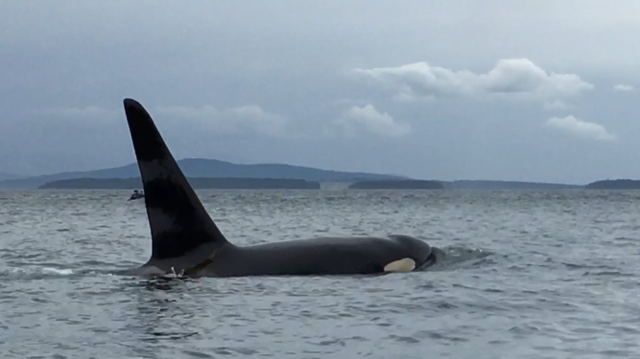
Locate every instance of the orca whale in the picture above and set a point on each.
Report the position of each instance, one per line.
(185, 238)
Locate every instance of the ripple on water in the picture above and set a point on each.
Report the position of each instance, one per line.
(532, 274)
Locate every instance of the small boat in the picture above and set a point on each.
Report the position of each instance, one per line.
(136, 195)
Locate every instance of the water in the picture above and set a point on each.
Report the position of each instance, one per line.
(528, 275)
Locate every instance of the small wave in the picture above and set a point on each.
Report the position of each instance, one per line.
(61, 272)
(588, 266)
(608, 273)
(35, 273)
(456, 256)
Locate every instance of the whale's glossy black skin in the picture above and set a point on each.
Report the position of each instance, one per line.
(184, 235)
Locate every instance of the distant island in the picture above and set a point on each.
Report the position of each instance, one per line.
(212, 173)
(506, 185)
(397, 184)
(206, 168)
(621, 184)
(196, 183)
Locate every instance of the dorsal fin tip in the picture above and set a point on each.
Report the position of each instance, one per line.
(179, 223)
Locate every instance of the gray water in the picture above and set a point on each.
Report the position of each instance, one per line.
(528, 275)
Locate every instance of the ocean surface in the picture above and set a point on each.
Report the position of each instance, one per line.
(528, 274)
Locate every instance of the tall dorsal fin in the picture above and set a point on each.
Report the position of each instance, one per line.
(179, 223)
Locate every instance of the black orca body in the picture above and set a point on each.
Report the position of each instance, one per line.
(185, 238)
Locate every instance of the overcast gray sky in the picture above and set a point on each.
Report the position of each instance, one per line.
(540, 90)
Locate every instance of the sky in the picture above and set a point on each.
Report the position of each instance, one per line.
(540, 90)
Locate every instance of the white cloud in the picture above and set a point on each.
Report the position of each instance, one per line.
(86, 114)
(576, 127)
(370, 119)
(508, 78)
(622, 87)
(555, 105)
(241, 119)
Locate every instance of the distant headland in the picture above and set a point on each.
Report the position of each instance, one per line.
(216, 174)
(619, 184)
(206, 168)
(196, 183)
(397, 184)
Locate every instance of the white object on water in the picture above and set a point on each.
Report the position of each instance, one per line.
(57, 271)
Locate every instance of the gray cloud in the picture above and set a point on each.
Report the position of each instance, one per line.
(623, 87)
(242, 119)
(574, 126)
(371, 120)
(275, 82)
